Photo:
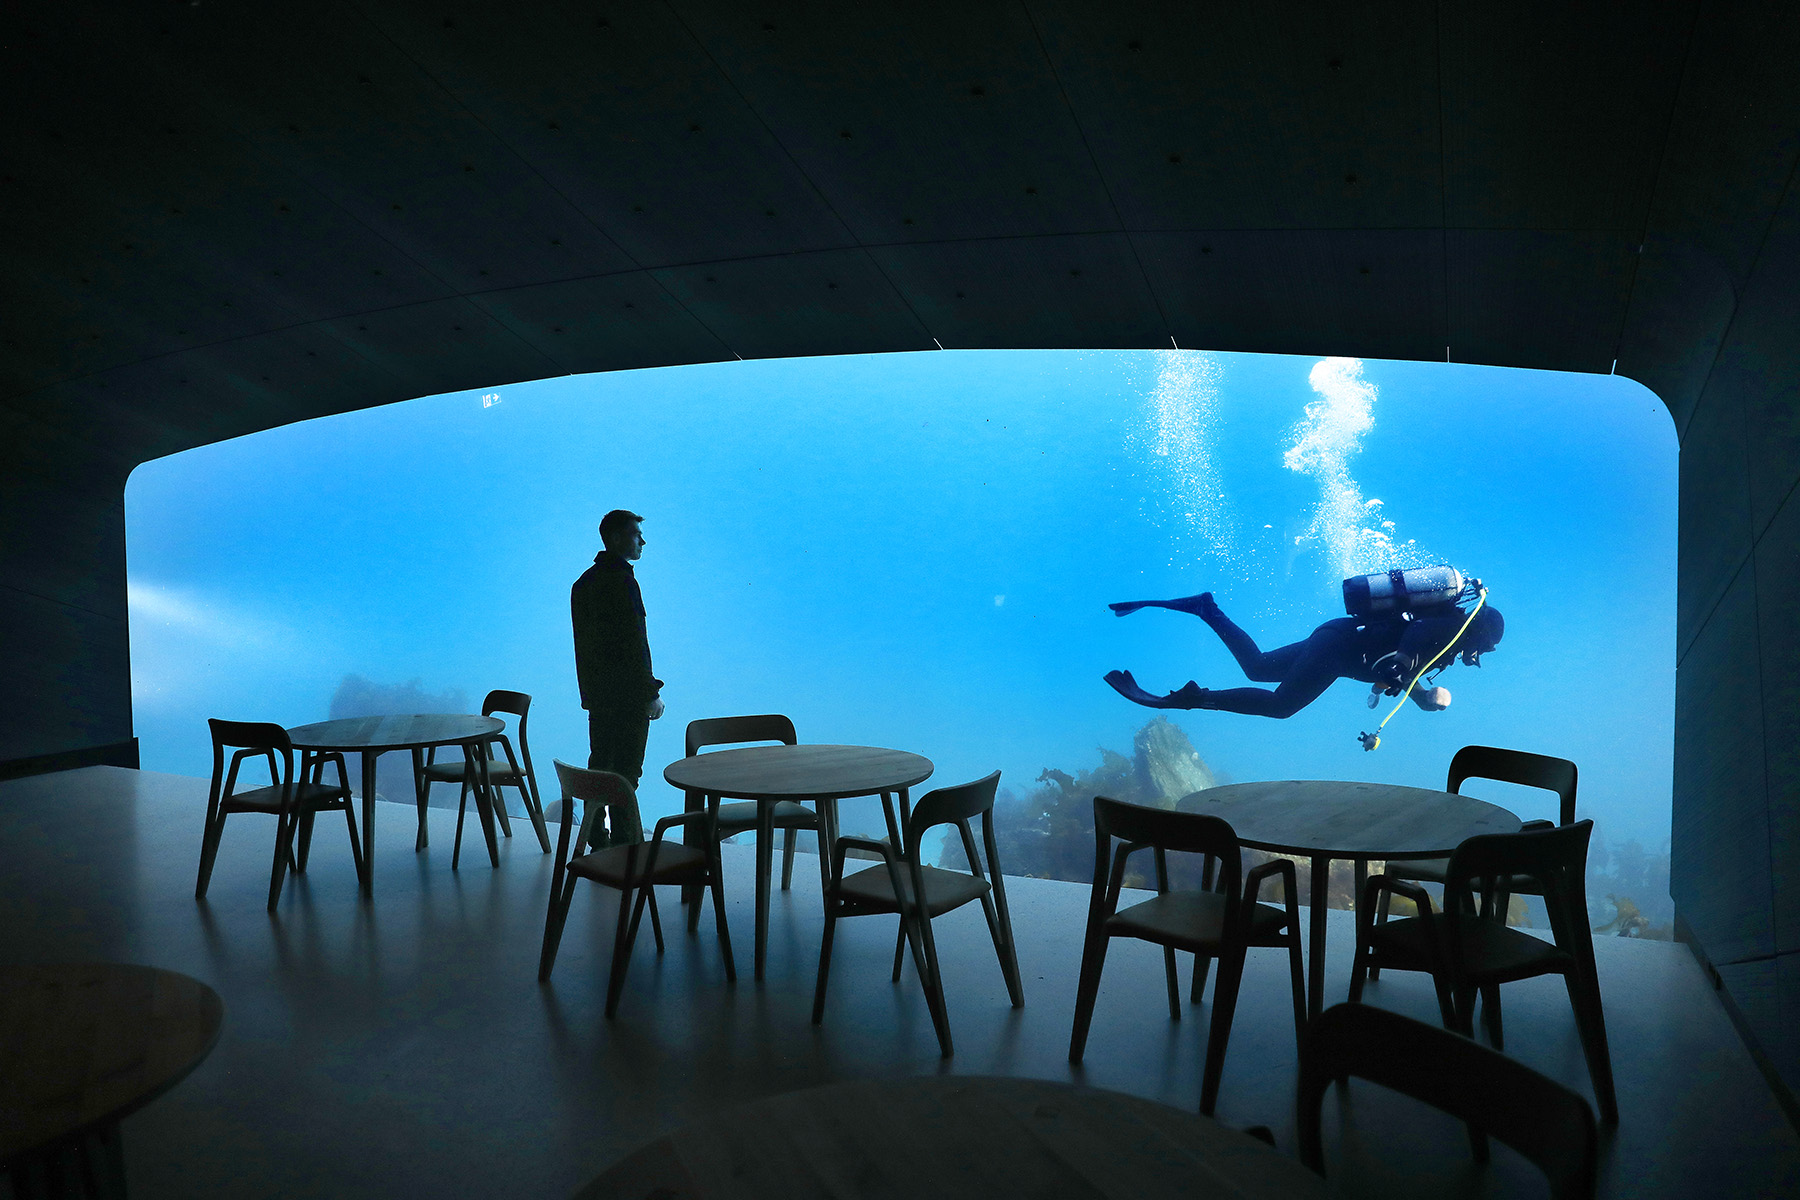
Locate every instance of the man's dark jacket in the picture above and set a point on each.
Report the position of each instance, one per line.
(612, 652)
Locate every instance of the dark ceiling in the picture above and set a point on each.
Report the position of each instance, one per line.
(225, 216)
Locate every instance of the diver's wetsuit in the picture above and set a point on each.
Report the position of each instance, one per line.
(1385, 651)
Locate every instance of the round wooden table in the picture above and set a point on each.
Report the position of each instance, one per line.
(374, 736)
(821, 775)
(1327, 819)
(83, 1045)
(949, 1137)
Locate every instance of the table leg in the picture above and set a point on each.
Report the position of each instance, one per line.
(484, 798)
(421, 791)
(369, 759)
(893, 826)
(693, 893)
(1315, 953)
(827, 810)
(765, 866)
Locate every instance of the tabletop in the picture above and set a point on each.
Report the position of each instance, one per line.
(951, 1137)
(394, 732)
(804, 771)
(86, 1043)
(1350, 820)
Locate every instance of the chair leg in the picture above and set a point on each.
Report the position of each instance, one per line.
(693, 912)
(646, 896)
(1590, 1023)
(1462, 1009)
(306, 832)
(899, 947)
(718, 898)
(462, 809)
(356, 854)
(934, 987)
(1202, 968)
(500, 810)
(209, 851)
(655, 920)
(621, 956)
(818, 1013)
(284, 839)
(1225, 994)
(534, 805)
(1172, 983)
(1093, 960)
(1381, 918)
(787, 859)
(554, 920)
(1490, 1015)
(999, 921)
(1359, 971)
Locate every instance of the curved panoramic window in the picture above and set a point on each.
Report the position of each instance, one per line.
(919, 551)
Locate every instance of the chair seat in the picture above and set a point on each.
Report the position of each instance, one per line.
(741, 817)
(675, 863)
(1190, 920)
(1492, 953)
(277, 799)
(873, 888)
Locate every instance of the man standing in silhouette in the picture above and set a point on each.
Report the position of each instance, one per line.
(612, 659)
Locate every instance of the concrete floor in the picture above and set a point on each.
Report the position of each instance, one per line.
(404, 1047)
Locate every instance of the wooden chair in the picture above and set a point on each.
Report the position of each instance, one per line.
(1222, 923)
(1535, 1115)
(1507, 766)
(514, 772)
(740, 817)
(632, 868)
(293, 802)
(903, 884)
(1469, 947)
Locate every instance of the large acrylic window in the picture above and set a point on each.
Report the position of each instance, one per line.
(918, 551)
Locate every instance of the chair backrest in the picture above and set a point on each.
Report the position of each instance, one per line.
(950, 806)
(723, 731)
(593, 788)
(515, 704)
(248, 735)
(248, 739)
(1517, 766)
(1166, 829)
(1556, 857)
(1541, 1119)
(598, 791)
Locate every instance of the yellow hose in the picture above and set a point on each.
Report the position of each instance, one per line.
(1371, 740)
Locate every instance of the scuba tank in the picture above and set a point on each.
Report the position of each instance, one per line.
(1390, 593)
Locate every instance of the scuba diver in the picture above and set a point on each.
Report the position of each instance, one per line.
(1400, 624)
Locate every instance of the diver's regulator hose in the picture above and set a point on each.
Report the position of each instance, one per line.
(1371, 740)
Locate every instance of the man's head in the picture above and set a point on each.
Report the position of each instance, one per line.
(1484, 633)
(619, 530)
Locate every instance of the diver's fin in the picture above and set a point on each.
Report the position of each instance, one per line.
(1122, 683)
(1202, 605)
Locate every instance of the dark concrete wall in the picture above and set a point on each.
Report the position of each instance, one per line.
(67, 663)
(1736, 835)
